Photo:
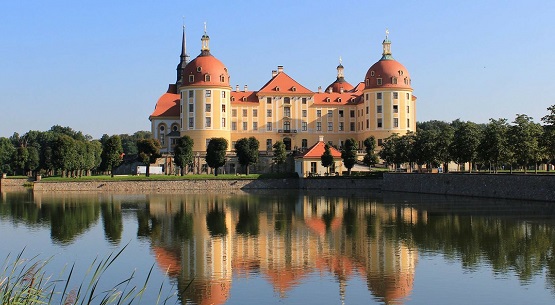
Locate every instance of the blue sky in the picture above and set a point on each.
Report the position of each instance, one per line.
(100, 66)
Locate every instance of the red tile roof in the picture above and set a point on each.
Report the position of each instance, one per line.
(283, 83)
(167, 105)
(330, 99)
(247, 98)
(317, 150)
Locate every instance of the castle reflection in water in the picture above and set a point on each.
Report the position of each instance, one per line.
(211, 239)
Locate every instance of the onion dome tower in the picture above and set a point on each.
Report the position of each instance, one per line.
(205, 98)
(340, 85)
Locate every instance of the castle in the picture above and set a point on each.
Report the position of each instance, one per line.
(203, 105)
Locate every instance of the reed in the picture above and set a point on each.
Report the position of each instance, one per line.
(27, 282)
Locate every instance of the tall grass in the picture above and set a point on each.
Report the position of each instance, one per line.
(26, 282)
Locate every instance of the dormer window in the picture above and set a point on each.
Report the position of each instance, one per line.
(199, 69)
(327, 99)
(244, 98)
(372, 73)
(367, 82)
(394, 80)
(293, 89)
(339, 100)
(233, 98)
(379, 81)
(222, 78)
(191, 78)
(206, 77)
(276, 88)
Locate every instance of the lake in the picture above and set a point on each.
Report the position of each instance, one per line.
(293, 247)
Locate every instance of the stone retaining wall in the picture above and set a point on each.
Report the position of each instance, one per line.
(11, 183)
(169, 185)
(527, 187)
(329, 183)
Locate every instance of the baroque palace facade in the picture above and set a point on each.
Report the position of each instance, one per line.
(203, 105)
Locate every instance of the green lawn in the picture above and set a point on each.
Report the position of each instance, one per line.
(167, 177)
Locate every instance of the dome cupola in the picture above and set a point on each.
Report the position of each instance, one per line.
(387, 72)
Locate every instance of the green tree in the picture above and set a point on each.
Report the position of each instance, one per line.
(548, 139)
(6, 152)
(280, 154)
(493, 148)
(183, 153)
(247, 152)
(327, 158)
(63, 153)
(440, 136)
(349, 154)
(111, 155)
(387, 153)
(466, 139)
(370, 156)
(215, 153)
(149, 151)
(524, 139)
(33, 160)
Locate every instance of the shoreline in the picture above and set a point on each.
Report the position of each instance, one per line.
(522, 187)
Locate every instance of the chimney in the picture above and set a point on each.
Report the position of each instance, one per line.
(319, 89)
(321, 138)
(330, 90)
(236, 88)
(280, 69)
(341, 90)
(274, 73)
(246, 88)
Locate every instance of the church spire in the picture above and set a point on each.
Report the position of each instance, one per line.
(205, 50)
(386, 54)
(184, 58)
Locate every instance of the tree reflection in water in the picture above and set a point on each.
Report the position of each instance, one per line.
(286, 238)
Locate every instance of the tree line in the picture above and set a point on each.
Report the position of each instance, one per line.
(496, 145)
(66, 152)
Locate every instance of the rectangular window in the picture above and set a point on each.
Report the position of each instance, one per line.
(223, 108)
(408, 96)
(352, 114)
(395, 108)
(268, 144)
(244, 113)
(379, 81)
(287, 100)
(367, 109)
(380, 123)
(318, 113)
(287, 112)
(269, 113)
(287, 126)
(366, 96)
(304, 100)
(268, 100)
(330, 113)
(191, 122)
(304, 143)
(340, 126)
(352, 127)
(379, 109)
(223, 94)
(313, 167)
(191, 107)
(234, 113)
(269, 126)
(340, 113)
(191, 79)
(330, 126)
(395, 122)
(255, 113)
(244, 125)
(379, 95)
(380, 142)
(318, 126)
(255, 126)
(208, 108)
(191, 93)
(233, 125)
(223, 122)
(208, 93)
(408, 123)
(304, 126)
(395, 95)
(408, 109)
(208, 122)
(304, 113)
(367, 123)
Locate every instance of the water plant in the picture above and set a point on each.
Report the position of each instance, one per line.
(27, 282)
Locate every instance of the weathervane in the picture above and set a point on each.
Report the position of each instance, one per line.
(205, 27)
(386, 33)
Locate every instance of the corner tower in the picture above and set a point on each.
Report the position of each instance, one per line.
(205, 98)
(389, 104)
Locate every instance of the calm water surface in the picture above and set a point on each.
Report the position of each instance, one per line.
(293, 247)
